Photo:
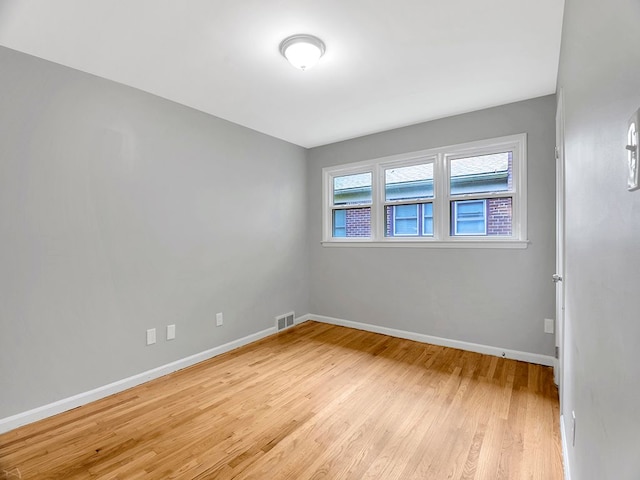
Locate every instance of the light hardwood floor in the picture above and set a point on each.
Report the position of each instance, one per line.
(314, 402)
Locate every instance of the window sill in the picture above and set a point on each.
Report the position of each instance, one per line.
(508, 244)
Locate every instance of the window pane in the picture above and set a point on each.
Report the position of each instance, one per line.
(427, 219)
(339, 223)
(407, 211)
(490, 217)
(415, 219)
(352, 189)
(352, 222)
(468, 217)
(405, 220)
(409, 183)
(484, 173)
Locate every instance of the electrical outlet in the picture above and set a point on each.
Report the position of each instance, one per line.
(548, 325)
(151, 336)
(171, 332)
(219, 319)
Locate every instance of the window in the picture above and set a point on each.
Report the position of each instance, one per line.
(475, 179)
(414, 219)
(467, 195)
(403, 186)
(469, 217)
(352, 205)
(339, 223)
(405, 219)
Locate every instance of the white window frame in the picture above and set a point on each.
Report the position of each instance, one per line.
(441, 200)
(408, 160)
(329, 207)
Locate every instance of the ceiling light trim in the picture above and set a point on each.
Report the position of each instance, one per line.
(302, 39)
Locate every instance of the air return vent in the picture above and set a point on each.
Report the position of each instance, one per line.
(285, 321)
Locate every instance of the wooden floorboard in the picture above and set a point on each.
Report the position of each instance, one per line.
(314, 402)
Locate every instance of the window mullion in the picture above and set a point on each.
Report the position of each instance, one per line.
(376, 201)
(441, 199)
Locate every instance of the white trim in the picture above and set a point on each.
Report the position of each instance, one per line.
(560, 287)
(303, 318)
(444, 342)
(565, 450)
(420, 242)
(39, 413)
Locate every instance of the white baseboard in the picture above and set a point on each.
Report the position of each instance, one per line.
(444, 342)
(303, 318)
(565, 450)
(39, 413)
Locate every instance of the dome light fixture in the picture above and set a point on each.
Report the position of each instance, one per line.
(302, 51)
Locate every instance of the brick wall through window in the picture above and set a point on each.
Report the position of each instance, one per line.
(358, 222)
(499, 216)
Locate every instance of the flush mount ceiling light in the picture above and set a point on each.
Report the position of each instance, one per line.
(302, 51)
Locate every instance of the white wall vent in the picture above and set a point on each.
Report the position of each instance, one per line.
(285, 321)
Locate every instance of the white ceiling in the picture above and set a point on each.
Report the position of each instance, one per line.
(388, 63)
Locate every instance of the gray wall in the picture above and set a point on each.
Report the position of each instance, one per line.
(600, 77)
(121, 211)
(487, 296)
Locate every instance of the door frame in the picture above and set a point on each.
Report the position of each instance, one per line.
(559, 277)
